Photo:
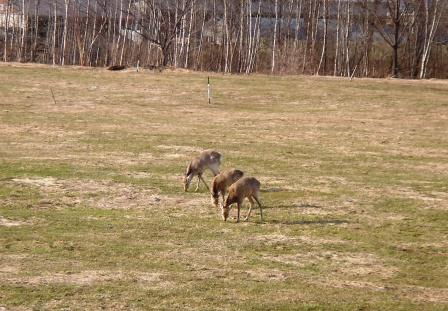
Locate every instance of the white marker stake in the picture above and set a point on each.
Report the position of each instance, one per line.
(209, 91)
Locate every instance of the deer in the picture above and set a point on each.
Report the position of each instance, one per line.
(222, 182)
(208, 159)
(246, 187)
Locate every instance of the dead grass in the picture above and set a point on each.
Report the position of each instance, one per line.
(86, 278)
(92, 212)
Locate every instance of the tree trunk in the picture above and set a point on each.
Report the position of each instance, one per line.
(308, 31)
(64, 35)
(36, 31)
(190, 27)
(324, 47)
(55, 25)
(347, 39)
(125, 34)
(275, 37)
(429, 36)
(24, 26)
(5, 47)
(336, 56)
(396, 44)
(227, 39)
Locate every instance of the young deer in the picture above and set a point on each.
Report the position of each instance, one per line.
(246, 187)
(222, 182)
(208, 159)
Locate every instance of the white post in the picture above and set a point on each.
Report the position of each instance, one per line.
(209, 91)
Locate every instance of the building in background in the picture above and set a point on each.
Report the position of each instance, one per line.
(11, 17)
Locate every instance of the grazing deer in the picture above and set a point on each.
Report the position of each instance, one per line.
(222, 182)
(246, 187)
(208, 159)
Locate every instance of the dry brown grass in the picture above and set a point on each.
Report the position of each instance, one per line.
(354, 181)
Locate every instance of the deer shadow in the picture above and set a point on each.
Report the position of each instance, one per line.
(299, 206)
(273, 189)
(287, 206)
(298, 221)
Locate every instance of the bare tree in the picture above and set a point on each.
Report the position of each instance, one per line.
(398, 16)
(432, 20)
(157, 25)
(233, 35)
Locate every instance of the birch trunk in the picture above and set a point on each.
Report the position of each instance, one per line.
(274, 43)
(36, 31)
(64, 35)
(55, 25)
(23, 24)
(429, 35)
(298, 21)
(227, 39)
(199, 55)
(336, 56)
(324, 47)
(5, 47)
(190, 27)
(125, 34)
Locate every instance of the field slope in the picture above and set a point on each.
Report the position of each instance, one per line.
(93, 216)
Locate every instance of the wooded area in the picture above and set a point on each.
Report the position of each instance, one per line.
(362, 38)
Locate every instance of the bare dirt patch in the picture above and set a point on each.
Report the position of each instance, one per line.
(338, 283)
(435, 200)
(274, 239)
(413, 293)
(140, 175)
(180, 149)
(266, 275)
(106, 194)
(89, 277)
(338, 207)
(359, 264)
(12, 223)
(43, 182)
(426, 294)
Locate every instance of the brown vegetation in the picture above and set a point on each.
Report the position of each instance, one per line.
(362, 38)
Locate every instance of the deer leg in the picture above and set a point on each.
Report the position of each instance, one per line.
(204, 182)
(197, 185)
(223, 197)
(239, 208)
(250, 208)
(259, 204)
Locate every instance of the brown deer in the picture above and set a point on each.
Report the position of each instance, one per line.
(222, 182)
(246, 187)
(208, 159)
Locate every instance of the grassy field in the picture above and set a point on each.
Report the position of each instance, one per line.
(93, 216)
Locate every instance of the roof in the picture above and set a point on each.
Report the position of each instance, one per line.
(76, 7)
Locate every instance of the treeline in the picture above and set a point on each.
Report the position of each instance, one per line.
(362, 38)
